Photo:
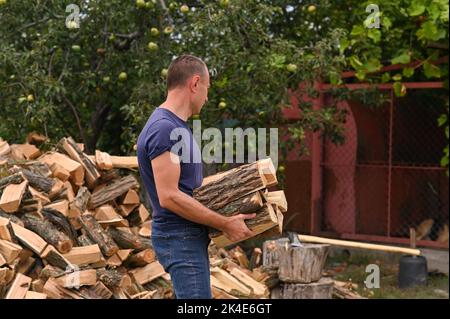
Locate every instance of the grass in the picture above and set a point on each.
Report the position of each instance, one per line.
(352, 268)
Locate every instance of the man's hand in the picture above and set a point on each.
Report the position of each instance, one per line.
(235, 228)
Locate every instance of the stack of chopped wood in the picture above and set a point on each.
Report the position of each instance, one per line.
(234, 275)
(244, 190)
(71, 226)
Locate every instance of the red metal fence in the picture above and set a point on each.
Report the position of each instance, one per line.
(384, 180)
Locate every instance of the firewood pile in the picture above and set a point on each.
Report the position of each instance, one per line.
(73, 226)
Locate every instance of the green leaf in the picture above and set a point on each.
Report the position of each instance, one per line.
(397, 77)
(355, 62)
(343, 44)
(442, 119)
(434, 12)
(416, 8)
(408, 72)
(429, 31)
(372, 65)
(431, 70)
(386, 77)
(399, 89)
(375, 35)
(360, 75)
(386, 23)
(357, 30)
(403, 58)
(335, 79)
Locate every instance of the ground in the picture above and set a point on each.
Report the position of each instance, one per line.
(352, 268)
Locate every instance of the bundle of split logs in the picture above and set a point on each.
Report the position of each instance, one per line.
(244, 190)
(73, 226)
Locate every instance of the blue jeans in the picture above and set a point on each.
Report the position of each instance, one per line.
(182, 249)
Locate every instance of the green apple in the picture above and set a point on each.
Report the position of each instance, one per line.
(184, 8)
(164, 72)
(281, 168)
(106, 79)
(112, 37)
(172, 6)
(30, 98)
(168, 30)
(140, 4)
(222, 105)
(149, 5)
(154, 32)
(152, 46)
(76, 48)
(311, 8)
(22, 99)
(122, 76)
(2, 2)
(291, 67)
(224, 3)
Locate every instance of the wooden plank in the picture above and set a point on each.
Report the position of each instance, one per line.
(12, 196)
(84, 255)
(148, 273)
(19, 287)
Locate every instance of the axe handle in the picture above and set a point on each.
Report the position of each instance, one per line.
(355, 244)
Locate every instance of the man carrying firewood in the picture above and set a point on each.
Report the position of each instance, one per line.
(179, 222)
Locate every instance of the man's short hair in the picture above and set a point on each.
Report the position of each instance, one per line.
(182, 68)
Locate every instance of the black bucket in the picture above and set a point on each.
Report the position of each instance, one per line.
(413, 271)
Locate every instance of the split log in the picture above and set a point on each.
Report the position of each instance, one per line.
(59, 172)
(131, 197)
(265, 219)
(54, 258)
(96, 233)
(215, 193)
(35, 138)
(278, 198)
(74, 152)
(98, 291)
(228, 283)
(103, 160)
(127, 240)
(12, 196)
(61, 222)
(77, 279)
(74, 168)
(9, 250)
(38, 181)
(29, 239)
(148, 273)
(106, 215)
(84, 240)
(255, 259)
(112, 191)
(35, 295)
(258, 289)
(55, 291)
(49, 232)
(16, 178)
(141, 259)
(302, 264)
(38, 195)
(323, 289)
(62, 206)
(85, 255)
(19, 287)
(79, 204)
(113, 278)
(4, 229)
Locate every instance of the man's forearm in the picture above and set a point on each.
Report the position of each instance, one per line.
(191, 209)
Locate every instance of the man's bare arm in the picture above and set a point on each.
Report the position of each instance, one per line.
(166, 171)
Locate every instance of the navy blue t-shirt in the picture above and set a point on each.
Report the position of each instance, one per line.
(165, 131)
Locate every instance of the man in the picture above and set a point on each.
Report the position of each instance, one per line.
(179, 233)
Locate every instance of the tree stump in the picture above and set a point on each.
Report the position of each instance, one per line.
(302, 264)
(271, 252)
(323, 289)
